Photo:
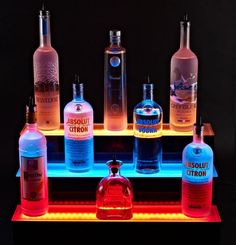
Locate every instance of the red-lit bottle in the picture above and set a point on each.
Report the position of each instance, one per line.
(33, 166)
(114, 195)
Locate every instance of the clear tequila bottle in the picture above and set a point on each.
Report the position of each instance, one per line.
(46, 77)
(115, 91)
(147, 123)
(183, 82)
(197, 175)
(114, 195)
(33, 166)
(78, 131)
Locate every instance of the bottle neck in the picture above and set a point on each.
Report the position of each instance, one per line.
(185, 35)
(198, 136)
(32, 126)
(148, 91)
(115, 40)
(78, 92)
(44, 30)
(114, 171)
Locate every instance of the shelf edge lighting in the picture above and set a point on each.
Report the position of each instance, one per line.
(141, 213)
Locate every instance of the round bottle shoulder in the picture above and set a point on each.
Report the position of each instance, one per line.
(147, 104)
(184, 54)
(45, 51)
(198, 150)
(78, 107)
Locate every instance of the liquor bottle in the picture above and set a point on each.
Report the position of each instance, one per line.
(115, 91)
(78, 128)
(33, 166)
(46, 77)
(147, 125)
(197, 175)
(183, 82)
(114, 194)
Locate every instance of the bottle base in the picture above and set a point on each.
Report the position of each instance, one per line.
(147, 171)
(33, 213)
(114, 214)
(181, 128)
(199, 214)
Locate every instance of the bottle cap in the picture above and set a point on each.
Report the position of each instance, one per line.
(43, 11)
(185, 21)
(114, 164)
(115, 33)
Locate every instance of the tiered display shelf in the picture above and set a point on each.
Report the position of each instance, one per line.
(156, 196)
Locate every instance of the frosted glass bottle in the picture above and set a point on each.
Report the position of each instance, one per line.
(115, 91)
(33, 166)
(183, 83)
(46, 77)
(114, 195)
(197, 175)
(147, 123)
(78, 131)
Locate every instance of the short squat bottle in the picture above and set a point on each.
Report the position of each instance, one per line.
(46, 77)
(114, 195)
(115, 91)
(197, 175)
(33, 166)
(78, 131)
(147, 124)
(183, 83)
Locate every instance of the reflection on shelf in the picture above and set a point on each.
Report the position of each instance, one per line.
(142, 212)
(99, 131)
(168, 170)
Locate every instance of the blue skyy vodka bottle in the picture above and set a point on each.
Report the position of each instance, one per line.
(197, 175)
(147, 122)
(78, 128)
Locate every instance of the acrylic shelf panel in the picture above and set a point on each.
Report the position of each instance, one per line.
(168, 170)
(146, 212)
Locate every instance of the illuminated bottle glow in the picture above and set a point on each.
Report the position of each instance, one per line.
(33, 166)
(46, 77)
(78, 130)
(115, 91)
(197, 176)
(147, 123)
(183, 83)
(114, 195)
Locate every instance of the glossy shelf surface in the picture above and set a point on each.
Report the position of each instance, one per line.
(142, 212)
(168, 170)
(100, 131)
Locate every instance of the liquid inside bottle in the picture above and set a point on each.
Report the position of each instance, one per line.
(114, 195)
(78, 130)
(115, 91)
(183, 84)
(197, 176)
(147, 153)
(46, 77)
(33, 167)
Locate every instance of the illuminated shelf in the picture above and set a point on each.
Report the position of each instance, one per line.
(160, 212)
(168, 170)
(99, 131)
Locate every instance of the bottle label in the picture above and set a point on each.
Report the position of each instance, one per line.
(148, 126)
(32, 177)
(115, 85)
(197, 172)
(183, 92)
(78, 126)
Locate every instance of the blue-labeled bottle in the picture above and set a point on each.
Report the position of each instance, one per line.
(147, 125)
(78, 131)
(197, 175)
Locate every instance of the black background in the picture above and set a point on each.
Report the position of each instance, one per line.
(150, 33)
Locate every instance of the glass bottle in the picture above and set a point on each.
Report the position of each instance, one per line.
(46, 77)
(197, 175)
(115, 91)
(147, 123)
(78, 131)
(183, 82)
(33, 166)
(114, 195)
